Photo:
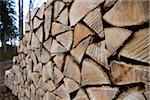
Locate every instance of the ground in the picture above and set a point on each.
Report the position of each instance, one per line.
(5, 93)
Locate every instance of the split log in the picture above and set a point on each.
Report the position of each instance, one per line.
(36, 22)
(81, 32)
(47, 71)
(58, 75)
(138, 47)
(38, 68)
(45, 56)
(133, 96)
(92, 74)
(115, 38)
(80, 49)
(59, 60)
(103, 93)
(28, 37)
(122, 73)
(35, 43)
(57, 48)
(72, 70)
(79, 9)
(47, 22)
(58, 6)
(40, 92)
(47, 44)
(70, 85)
(68, 1)
(48, 3)
(49, 96)
(48, 86)
(33, 89)
(39, 33)
(40, 12)
(135, 93)
(58, 28)
(108, 4)
(66, 39)
(128, 13)
(27, 27)
(33, 57)
(63, 17)
(62, 92)
(94, 21)
(38, 54)
(35, 77)
(98, 52)
(33, 13)
(147, 91)
(81, 95)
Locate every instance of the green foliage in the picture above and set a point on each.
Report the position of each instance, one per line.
(7, 20)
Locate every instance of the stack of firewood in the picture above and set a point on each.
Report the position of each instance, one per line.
(84, 50)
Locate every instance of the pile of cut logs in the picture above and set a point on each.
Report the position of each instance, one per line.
(84, 50)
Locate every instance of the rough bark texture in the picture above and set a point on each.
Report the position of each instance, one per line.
(84, 50)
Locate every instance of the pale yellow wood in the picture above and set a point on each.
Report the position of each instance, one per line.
(80, 8)
(39, 34)
(98, 52)
(48, 3)
(63, 17)
(62, 92)
(66, 39)
(122, 73)
(45, 56)
(128, 13)
(38, 54)
(59, 60)
(47, 44)
(108, 4)
(93, 74)
(80, 49)
(133, 96)
(81, 95)
(81, 32)
(135, 93)
(94, 21)
(33, 12)
(49, 96)
(35, 78)
(115, 37)
(72, 70)
(103, 93)
(36, 23)
(58, 28)
(138, 47)
(27, 27)
(49, 85)
(47, 71)
(58, 6)
(35, 43)
(58, 75)
(47, 22)
(71, 85)
(38, 68)
(57, 48)
(40, 12)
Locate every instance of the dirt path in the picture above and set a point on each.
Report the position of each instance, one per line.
(5, 93)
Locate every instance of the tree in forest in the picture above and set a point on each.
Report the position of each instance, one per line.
(8, 29)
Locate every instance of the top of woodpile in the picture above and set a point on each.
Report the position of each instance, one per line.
(84, 50)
